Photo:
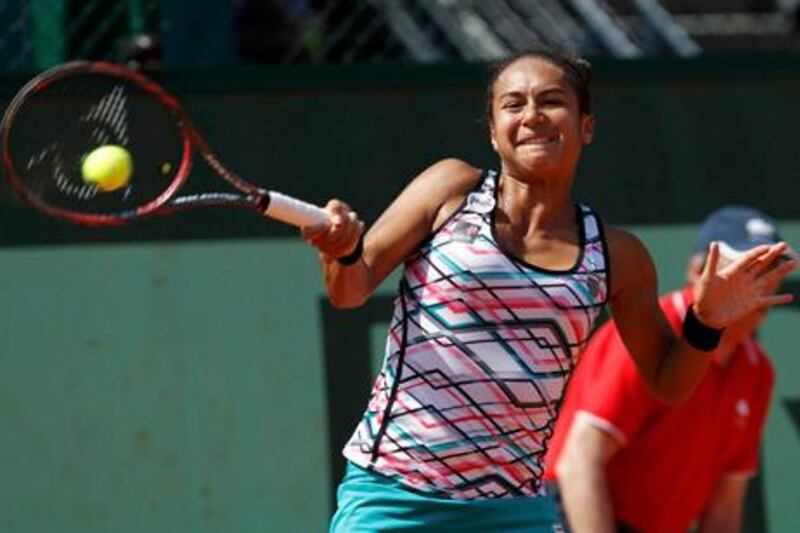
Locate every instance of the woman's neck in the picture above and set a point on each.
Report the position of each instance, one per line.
(541, 205)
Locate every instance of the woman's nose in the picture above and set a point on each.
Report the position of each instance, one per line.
(532, 114)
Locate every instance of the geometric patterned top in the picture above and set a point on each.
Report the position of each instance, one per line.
(479, 350)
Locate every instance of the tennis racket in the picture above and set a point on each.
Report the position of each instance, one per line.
(65, 113)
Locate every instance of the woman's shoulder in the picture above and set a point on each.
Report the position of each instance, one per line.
(444, 185)
(622, 239)
(453, 173)
(630, 260)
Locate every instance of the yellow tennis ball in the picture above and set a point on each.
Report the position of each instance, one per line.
(108, 167)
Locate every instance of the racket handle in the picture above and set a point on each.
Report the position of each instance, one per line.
(293, 211)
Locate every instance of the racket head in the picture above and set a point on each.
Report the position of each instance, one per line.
(64, 113)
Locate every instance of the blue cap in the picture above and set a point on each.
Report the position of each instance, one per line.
(737, 229)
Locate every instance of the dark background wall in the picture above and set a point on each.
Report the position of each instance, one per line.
(674, 138)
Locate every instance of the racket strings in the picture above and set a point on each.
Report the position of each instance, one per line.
(103, 122)
(58, 125)
(108, 119)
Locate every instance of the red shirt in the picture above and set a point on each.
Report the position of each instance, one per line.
(671, 459)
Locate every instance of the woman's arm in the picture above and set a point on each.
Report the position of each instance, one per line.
(672, 367)
(422, 206)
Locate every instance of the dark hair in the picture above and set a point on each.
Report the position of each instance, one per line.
(577, 70)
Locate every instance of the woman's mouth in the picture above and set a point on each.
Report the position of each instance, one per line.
(537, 141)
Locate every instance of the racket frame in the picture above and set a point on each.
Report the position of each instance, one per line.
(268, 203)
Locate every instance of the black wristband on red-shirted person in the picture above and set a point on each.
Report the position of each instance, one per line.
(700, 336)
(355, 255)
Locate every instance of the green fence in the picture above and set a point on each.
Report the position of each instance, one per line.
(36, 34)
(186, 374)
(40, 33)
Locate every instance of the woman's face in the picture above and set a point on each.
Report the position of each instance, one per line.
(536, 125)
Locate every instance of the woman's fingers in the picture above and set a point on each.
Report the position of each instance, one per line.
(777, 299)
(311, 233)
(347, 239)
(712, 260)
(748, 259)
(748, 283)
(783, 269)
(766, 261)
(340, 236)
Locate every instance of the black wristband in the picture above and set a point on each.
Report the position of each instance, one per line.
(697, 334)
(353, 256)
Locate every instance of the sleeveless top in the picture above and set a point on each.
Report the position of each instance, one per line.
(478, 353)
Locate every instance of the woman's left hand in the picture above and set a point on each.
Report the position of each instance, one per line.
(728, 294)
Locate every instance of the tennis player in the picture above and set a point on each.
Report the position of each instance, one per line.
(503, 277)
(626, 461)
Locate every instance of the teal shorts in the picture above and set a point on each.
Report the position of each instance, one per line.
(370, 502)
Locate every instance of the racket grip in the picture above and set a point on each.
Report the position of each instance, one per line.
(293, 211)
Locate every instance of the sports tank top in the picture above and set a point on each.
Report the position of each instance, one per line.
(478, 353)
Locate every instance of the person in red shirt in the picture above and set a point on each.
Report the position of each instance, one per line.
(625, 461)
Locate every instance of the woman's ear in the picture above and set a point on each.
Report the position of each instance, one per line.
(588, 123)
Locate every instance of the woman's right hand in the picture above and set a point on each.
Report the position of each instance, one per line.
(340, 236)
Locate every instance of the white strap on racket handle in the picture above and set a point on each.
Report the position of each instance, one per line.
(293, 211)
